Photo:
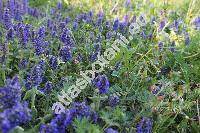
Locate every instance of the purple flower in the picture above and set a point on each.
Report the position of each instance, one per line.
(75, 25)
(99, 21)
(15, 116)
(97, 47)
(7, 19)
(36, 75)
(144, 36)
(160, 46)
(142, 19)
(127, 3)
(11, 7)
(156, 89)
(89, 17)
(53, 62)
(67, 20)
(53, 34)
(150, 36)
(93, 116)
(10, 34)
(65, 53)
(122, 26)
(90, 14)
(62, 25)
(66, 38)
(196, 23)
(109, 35)
(1, 9)
(173, 46)
(28, 84)
(187, 38)
(39, 45)
(52, 11)
(78, 18)
(23, 63)
(99, 38)
(60, 122)
(102, 83)
(49, 23)
(162, 25)
(18, 15)
(93, 56)
(83, 17)
(25, 6)
(100, 17)
(107, 24)
(144, 126)
(59, 5)
(48, 128)
(176, 25)
(100, 14)
(39, 41)
(41, 32)
(133, 19)
(33, 12)
(110, 130)
(10, 94)
(24, 33)
(35, 78)
(82, 110)
(116, 24)
(18, 29)
(48, 86)
(42, 64)
(53, 31)
(126, 19)
(113, 101)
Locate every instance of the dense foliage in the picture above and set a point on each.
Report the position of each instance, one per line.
(152, 84)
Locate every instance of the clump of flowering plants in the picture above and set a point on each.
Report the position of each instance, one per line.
(151, 85)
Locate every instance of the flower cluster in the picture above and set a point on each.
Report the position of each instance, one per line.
(118, 49)
(10, 94)
(60, 122)
(102, 83)
(35, 78)
(65, 53)
(15, 10)
(15, 116)
(114, 100)
(196, 23)
(144, 126)
(15, 112)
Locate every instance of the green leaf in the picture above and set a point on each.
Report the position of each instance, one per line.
(84, 126)
(17, 129)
